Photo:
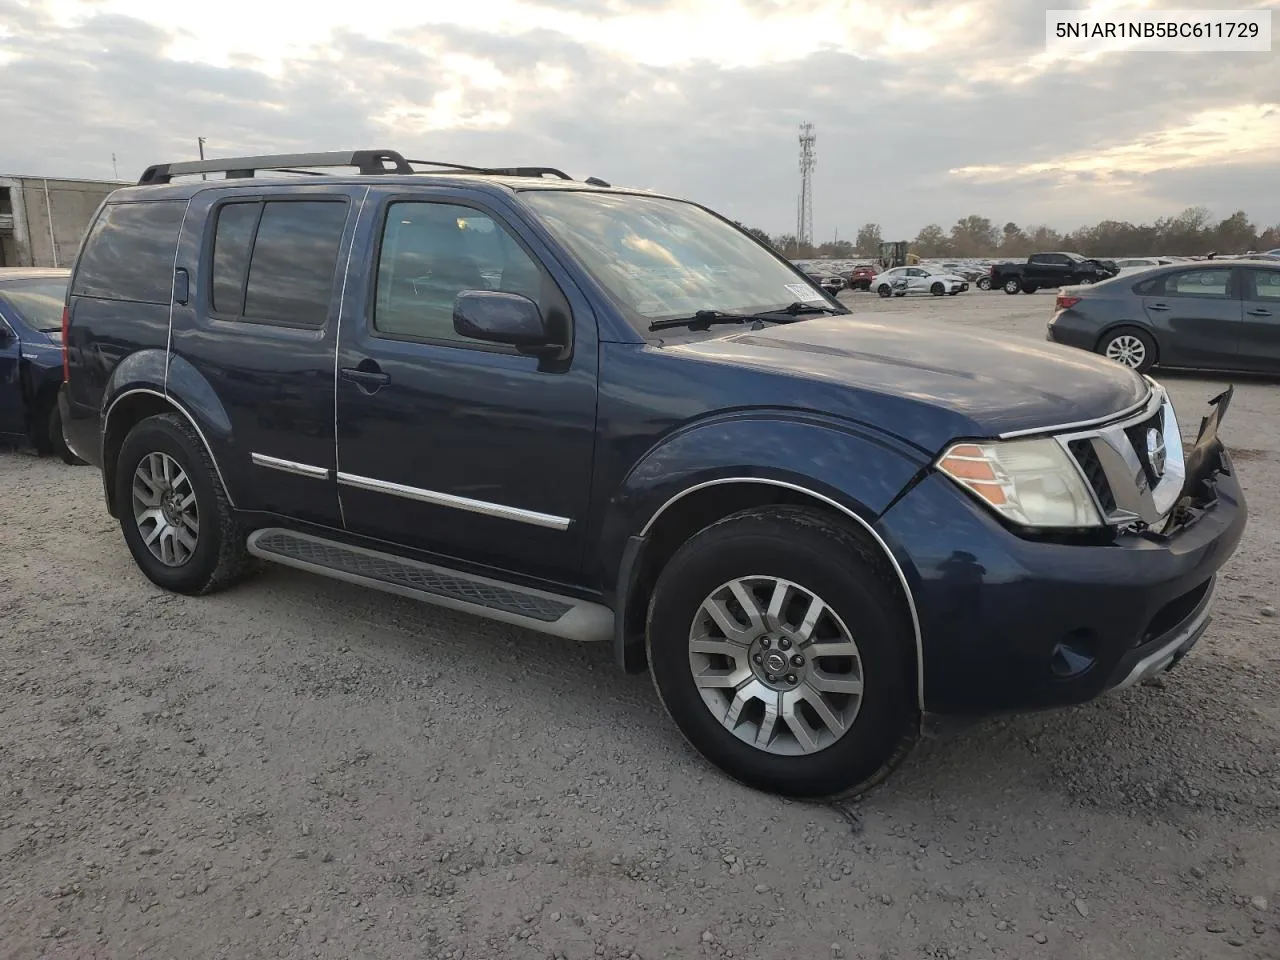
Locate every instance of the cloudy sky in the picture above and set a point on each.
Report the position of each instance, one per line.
(925, 110)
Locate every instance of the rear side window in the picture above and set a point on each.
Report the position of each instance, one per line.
(276, 262)
(129, 252)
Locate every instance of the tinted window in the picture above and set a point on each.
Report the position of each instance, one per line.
(129, 253)
(1262, 284)
(38, 302)
(1198, 283)
(295, 259)
(233, 236)
(432, 251)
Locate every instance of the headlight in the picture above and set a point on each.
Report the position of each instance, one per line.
(1030, 482)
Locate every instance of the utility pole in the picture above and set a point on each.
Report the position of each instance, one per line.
(808, 160)
(200, 144)
(115, 170)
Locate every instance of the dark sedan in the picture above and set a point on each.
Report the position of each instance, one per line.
(1224, 316)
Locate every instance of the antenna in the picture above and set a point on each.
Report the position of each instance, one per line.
(808, 160)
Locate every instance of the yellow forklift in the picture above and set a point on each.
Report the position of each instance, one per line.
(895, 254)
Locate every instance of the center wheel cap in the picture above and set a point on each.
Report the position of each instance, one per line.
(775, 662)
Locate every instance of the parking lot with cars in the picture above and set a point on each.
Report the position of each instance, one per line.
(303, 768)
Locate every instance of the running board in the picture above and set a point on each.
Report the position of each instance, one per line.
(537, 610)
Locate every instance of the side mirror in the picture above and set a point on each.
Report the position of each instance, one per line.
(502, 318)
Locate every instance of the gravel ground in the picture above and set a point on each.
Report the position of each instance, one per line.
(301, 768)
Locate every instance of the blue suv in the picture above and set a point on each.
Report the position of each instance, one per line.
(613, 416)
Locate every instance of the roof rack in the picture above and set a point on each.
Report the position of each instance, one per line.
(367, 162)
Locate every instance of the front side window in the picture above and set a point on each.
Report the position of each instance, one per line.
(275, 262)
(660, 258)
(1262, 284)
(430, 253)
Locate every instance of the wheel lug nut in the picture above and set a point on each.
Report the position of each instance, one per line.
(797, 660)
(766, 643)
(771, 678)
(784, 643)
(757, 658)
(791, 678)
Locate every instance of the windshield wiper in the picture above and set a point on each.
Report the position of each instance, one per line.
(704, 318)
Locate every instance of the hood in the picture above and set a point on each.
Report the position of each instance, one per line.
(978, 385)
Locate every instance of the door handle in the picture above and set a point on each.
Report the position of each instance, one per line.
(368, 379)
(1157, 306)
(1259, 312)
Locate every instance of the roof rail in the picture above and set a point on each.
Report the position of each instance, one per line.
(368, 162)
(495, 171)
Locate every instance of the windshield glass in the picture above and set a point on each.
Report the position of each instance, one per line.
(663, 258)
(38, 302)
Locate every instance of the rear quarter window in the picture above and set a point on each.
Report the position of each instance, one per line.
(128, 254)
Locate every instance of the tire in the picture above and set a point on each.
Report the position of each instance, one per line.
(46, 435)
(1029, 288)
(219, 557)
(1130, 346)
(984, 283)
(817, 558)
(1012, 285)
(937, 289)
(57, 441)
(884, 290)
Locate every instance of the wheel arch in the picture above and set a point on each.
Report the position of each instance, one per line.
(699, 505)
(126, 410)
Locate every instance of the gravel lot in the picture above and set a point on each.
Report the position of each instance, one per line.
(301, 768)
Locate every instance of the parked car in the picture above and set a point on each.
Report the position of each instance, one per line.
(901, 281)
(31, 302)
(646, 429)
(1221, 316)
(1047, 270)
(1141, 263)
(862, 275)
(829, 282)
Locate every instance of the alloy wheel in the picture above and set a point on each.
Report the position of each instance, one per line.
(165, 510)
(776, 665)
(1128, 350)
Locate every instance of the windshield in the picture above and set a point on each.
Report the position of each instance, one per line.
(661, 258)
(37, 302)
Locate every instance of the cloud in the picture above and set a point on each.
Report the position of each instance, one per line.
(925, 111)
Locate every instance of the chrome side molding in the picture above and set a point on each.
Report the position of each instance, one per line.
(290, 466)
(482, 507)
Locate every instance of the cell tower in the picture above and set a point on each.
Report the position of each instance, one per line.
(808, 160)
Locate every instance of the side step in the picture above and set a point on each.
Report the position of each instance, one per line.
(534, 609)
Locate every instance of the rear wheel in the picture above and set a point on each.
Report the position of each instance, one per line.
(1029, 288)
(780, 651)
(937, 289)
(48, 439)
(1129, 346)
(1012, 285)
(174, 513)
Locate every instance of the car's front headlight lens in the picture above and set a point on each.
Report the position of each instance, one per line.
(1030, 482)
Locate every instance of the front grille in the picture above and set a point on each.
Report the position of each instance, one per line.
(1087, 457)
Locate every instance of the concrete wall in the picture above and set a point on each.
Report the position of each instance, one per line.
(39, 204)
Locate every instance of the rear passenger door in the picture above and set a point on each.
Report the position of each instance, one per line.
(453, 446)
(1260, 324)
(1196, 316)
(260, 327)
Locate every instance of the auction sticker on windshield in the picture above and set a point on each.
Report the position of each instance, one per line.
(804, 293)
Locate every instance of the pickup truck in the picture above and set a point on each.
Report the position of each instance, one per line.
(1045, 270)
(613, 416)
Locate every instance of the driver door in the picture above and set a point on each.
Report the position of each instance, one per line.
(917, 280)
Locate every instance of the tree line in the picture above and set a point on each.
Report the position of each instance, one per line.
(1192, 232)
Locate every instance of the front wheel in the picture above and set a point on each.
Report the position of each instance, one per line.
(1029, 288)
(984, 283)
(174, 512)
(782, 653)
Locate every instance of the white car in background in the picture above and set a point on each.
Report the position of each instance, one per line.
(900, 281)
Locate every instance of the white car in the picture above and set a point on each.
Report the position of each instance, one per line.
(900, 281)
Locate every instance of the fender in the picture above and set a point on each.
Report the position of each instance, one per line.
(860, 468)
(854, 469)
(143, 375)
